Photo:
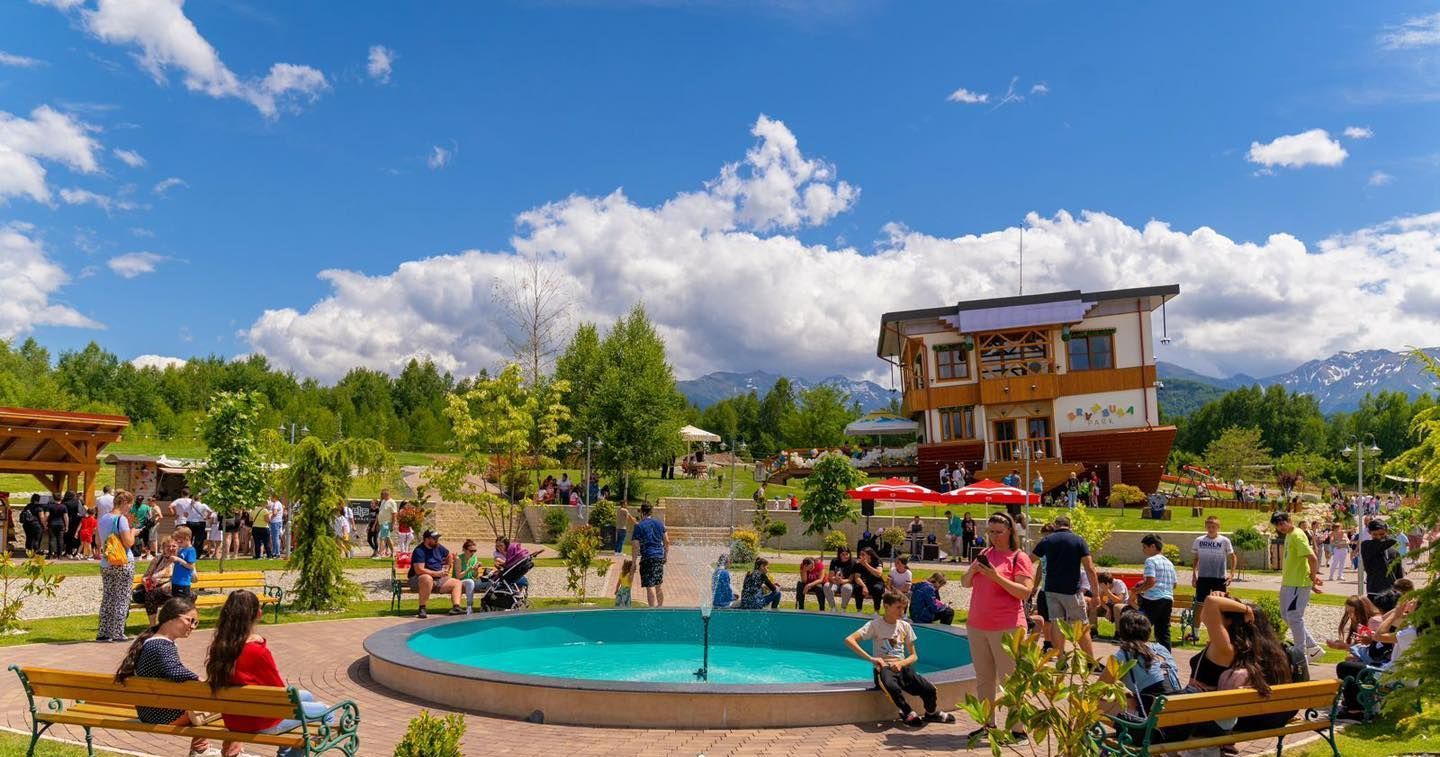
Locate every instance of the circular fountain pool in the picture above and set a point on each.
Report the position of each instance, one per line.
(637, 667)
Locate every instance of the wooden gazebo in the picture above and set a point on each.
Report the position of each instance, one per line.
(61, 450)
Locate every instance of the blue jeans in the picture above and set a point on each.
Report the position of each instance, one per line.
(277, 537)
(312, 709)
(619, 541)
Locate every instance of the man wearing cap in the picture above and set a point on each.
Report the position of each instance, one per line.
(1381, 559)
(430, 570)
(1300, 574)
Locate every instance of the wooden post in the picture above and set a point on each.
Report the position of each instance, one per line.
(91, 469)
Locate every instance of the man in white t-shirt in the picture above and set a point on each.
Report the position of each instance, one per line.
(1214, 563)
(388, 508)
(277, 525)
(893, 653)
(104, 503)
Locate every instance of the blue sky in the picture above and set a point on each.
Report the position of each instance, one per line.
(1138, 112)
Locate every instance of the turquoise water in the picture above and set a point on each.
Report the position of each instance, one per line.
(664, 646)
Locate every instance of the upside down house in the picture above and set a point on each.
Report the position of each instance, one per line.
(1064, 378)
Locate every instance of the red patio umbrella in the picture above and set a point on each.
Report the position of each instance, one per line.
(893, 490)
(988, 492)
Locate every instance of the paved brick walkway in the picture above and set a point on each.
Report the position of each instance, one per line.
(327, 658)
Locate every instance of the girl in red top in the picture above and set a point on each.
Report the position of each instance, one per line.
(86, 535)
(239, 657)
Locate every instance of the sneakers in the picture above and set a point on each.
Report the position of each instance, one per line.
(1315, 653)
(939, 717)
(422, 614)
(456, 610)
(211, 752)
(912, 719)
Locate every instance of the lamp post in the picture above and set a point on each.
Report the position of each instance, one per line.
(290, 428)
(735, 447)
(1356, 445)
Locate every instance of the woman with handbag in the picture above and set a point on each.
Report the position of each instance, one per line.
(154, 589)
(117, 568)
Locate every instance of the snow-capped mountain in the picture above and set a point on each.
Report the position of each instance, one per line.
(1338, 382)
(713, 387)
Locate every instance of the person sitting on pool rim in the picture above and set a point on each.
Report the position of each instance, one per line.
(430, 567)
(891, 636)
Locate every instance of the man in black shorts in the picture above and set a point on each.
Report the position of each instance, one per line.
(648, 545)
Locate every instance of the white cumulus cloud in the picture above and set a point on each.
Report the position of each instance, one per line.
(379, 63)
(29, 282)
(158, 361)
(18, 61)
(46, 135)
(133, 264)
(965, 96)
(129, 158)
(168, 39)
(730, 285)
(165, 185)
(439, 157)
(1309, 148)
(1421, 31)
(1358, 132)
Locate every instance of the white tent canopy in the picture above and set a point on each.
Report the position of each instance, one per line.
(692, 434)
(881, 424)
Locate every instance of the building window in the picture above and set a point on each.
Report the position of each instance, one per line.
(952, 362)
(957, 423)
(1014, 353)
(1092, 351)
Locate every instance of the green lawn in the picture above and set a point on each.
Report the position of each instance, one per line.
(651, 486)
(67, 568)
(1127, 519)
(14, 745)
(1378, 739)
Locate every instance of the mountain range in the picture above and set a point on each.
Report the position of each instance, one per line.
(1337, 382)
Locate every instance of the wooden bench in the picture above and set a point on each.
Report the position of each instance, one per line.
(1184, 612)
(94, 701)
(1317, 701)
(269, 594)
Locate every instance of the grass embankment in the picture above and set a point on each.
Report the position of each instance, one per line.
(1378, 739)
(14, 745)
(1125, 519)
(91, 568)
(652, 487)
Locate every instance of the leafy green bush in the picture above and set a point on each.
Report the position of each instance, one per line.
(602, 513)
(578, 547)
(1270, 606)
(835, 540)
(556, 521)
(744, 546)
(1247, 539)
(1122, 495)
(1107, 561)
(892, 536)
(1172, 553)
(429, 736)
(775, 528)
(1095, 530)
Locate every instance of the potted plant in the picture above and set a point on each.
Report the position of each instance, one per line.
(602, 517)
(891, 540)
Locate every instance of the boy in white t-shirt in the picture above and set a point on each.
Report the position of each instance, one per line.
(892, 643)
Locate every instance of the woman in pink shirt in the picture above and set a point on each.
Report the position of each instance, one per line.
(1000, 578)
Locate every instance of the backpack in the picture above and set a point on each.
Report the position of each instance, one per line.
(115, 552)
(28, 518)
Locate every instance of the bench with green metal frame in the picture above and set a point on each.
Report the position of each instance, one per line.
(94, 701)
(1317, 701)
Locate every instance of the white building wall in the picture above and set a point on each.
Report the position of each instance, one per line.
(1104, 411)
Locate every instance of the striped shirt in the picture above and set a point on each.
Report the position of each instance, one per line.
(1160, 569)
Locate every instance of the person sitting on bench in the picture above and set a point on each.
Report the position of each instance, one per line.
(155, 655)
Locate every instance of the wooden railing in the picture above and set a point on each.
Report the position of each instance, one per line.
(1041, 448)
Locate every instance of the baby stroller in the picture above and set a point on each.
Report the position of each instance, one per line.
(506, 592)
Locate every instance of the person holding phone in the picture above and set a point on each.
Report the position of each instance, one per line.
(1000, 578)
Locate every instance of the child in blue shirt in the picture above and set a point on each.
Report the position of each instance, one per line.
(184, 572)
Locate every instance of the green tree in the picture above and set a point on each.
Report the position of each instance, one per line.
(318, 477)
(635, 409)
(776, 413)
(581, 365)
(577, 548)
(820, 419)
(233, 472)
(495, 422)
(826, 499)
(1233, 454)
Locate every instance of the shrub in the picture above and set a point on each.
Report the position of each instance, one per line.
(1172, 553)
(765, 526)
(892, 536)
(1107, 561)
(1270, 606)
(556, 520)
(577, 548)
(775, 528)
(1122, 495)
(602, 513)
(835, 540)
(744, 546)
(1091, 527)
(429, 736)
(20, 581)
(1244, 540)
